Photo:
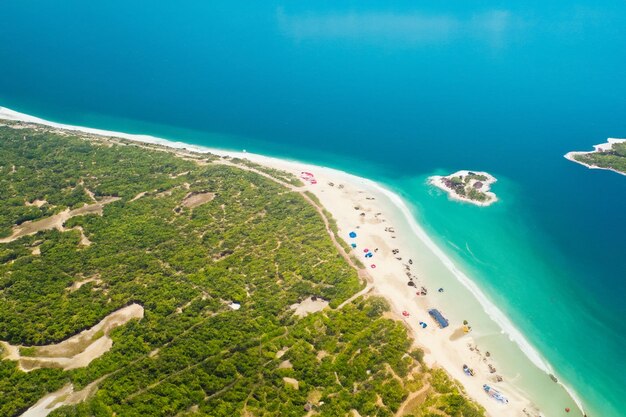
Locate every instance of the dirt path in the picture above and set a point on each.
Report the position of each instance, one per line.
(414, 398)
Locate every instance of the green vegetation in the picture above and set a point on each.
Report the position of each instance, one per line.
(98, 335)
(283, 176)
(613, 159)
(473, 176)
(28, 351)
(463, 186)
(255, 243)
(474, 194)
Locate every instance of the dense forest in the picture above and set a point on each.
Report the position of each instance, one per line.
(612, 159)
(253, 241)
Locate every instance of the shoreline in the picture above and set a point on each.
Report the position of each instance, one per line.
(439, 181)
(596, 148)
(384, 281)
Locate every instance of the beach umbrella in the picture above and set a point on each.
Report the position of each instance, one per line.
(373, 266)
(352, 235)
(405, 313)
(353, 245)
(366, 250)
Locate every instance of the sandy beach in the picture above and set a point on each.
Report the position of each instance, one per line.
(355, 205)
(363, 207)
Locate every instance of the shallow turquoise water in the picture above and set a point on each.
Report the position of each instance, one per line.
(392, 93)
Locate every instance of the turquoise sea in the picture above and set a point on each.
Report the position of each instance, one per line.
(394, 92)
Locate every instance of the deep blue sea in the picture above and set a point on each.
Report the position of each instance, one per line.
(393, 91)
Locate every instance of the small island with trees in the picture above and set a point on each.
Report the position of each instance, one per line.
(610, 155)
(469, 186)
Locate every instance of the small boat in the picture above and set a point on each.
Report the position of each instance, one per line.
(468, 371)
(496, 395)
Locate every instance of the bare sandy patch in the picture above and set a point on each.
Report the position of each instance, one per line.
(281, 352)
(84, 241)
(292, 382)
(285, 365)
(321, 355)
(192, 200)
(58, 220)
(308, 306)
(36, 203)
(179, 175)
(77, 351)
(76, 286)
(64, 396)
(138, 196)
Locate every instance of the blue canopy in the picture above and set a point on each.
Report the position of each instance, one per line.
(353, 245)
(443, 322)
(352, 235)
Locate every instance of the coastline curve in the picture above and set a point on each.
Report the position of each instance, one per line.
(494, 313)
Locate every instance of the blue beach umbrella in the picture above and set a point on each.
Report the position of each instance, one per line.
(353, 245)
(352, 235)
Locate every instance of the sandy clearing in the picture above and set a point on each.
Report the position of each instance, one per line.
(76, 286)
(309, 306)
(57, 221)
(291, 381)
(36, 203)
(281, 352)
(285, 365)
(78, 351)
(57, 399)
(192, 200)
(138, 196)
